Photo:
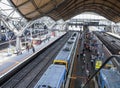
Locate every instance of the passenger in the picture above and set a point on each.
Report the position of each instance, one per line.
(102, 56)
(87, 73)
(27, 47)
(98, 54)
(19, 52)
(84, 44)
(82, 68)
(87, 47)
(87, 65)
(33, 49)
(81, 54)
(84, 55)
(92, 62)
(77, 56)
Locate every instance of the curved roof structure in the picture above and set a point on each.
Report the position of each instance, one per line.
(65, 9)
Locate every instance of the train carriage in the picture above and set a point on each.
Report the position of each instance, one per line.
(54, 77)
(66, 53)
(109, 78)
(63, 58)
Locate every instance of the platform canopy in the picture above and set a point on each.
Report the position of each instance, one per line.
(65, 9)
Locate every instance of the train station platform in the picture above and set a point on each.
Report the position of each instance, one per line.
(10, 62)
(86, 64)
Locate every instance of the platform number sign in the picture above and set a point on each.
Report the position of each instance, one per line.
(98, 64)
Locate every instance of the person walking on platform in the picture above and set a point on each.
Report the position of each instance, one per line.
(87, 65)
(19, 52)
(27, 47)
(33, 49)
(92, 62)
(82, 68)
(83, 55)
(87, 73)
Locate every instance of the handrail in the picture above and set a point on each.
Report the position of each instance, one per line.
(106, 61)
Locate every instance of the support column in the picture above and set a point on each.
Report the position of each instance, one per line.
(18, 44)
(108, 28)
(0, 31)
(112, 29)
(31, 32)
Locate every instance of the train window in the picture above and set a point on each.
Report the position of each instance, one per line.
(74, 34)
(66, 49)
(60, 63)
(70, 42)
(49, 87)
(72, 38)
(43, 85)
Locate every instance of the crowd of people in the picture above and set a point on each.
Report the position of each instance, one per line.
(90, 45)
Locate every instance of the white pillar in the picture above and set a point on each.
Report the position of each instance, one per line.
(31, 32)
(18, 44)
(112, 28)
(0, 31)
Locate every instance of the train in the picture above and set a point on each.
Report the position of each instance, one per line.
(56, 74)
(109, 78)
(53, 77)
(109, 43)
(65, 55)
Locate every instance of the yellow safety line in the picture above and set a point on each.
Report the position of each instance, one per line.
(7, 69)
(75, 77)
(12, 61)
(10, 67)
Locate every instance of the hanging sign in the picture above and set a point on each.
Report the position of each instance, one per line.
(98, 64)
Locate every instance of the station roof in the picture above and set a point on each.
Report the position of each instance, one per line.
(65, 9)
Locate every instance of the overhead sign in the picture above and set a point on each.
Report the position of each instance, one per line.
(98, 64)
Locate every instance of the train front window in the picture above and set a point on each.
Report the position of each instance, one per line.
(44, 86)
(60, 63)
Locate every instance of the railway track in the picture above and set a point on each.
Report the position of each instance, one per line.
(28, 76)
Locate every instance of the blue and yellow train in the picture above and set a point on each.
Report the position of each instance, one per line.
(55, 75)
(65, 56)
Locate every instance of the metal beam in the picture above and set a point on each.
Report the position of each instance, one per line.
(98, 12)
(80, 2)
(39, 9)
(81, 6)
